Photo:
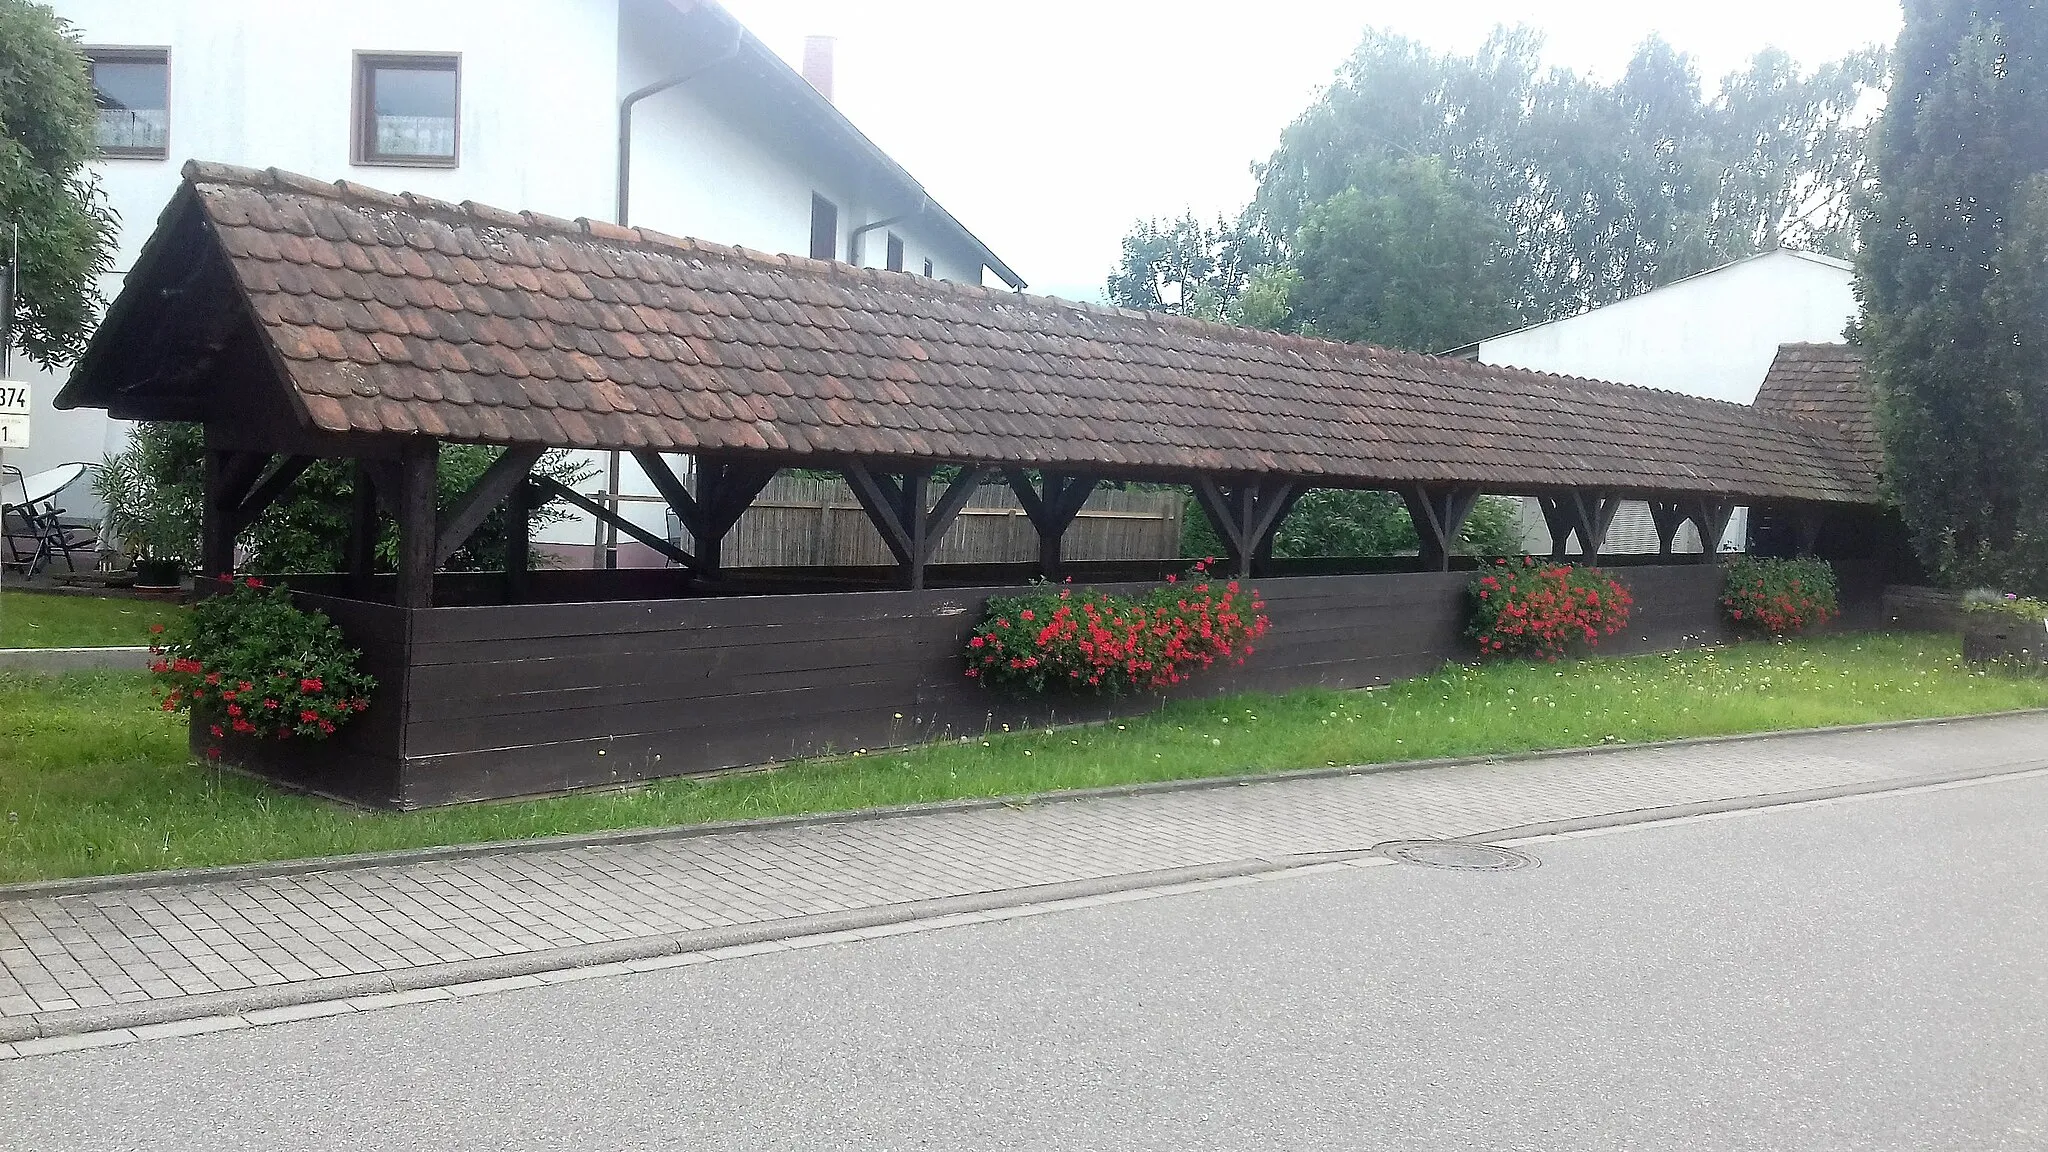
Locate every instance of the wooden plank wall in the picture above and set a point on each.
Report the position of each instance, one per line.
(495, 701)
(802, 521)
(516, 700)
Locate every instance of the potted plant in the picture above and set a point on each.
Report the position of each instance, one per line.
(153, 521)
(2005, 628)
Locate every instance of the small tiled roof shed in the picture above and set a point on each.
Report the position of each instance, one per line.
(309, 319)
(1827, 384)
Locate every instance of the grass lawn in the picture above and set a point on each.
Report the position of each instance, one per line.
(48, 620)
(93, 780)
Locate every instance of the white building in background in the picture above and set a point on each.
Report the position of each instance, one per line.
(519, 104)
(1713, 334)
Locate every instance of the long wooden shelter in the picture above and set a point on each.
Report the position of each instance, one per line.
(300, 320)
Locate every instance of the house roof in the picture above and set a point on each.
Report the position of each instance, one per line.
(1824, 261)
(1828, 384)
(383, 314)
(787, 86)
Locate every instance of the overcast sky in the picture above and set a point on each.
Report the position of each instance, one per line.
(1049, 126)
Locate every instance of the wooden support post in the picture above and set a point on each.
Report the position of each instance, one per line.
(897, 506)
(725, 490)
(519, 506)
(363, 529)
(1051, 507)
(916, 483)
(1711, 517)
(1587, 515)
(413, 508)
(1807, 520)
(1246, 515)
(228, 478)
(1668, 516)
(1439, 513)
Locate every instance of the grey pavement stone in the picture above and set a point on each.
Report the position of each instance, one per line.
(370, 930)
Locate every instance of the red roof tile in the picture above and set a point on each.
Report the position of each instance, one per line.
(407, 315)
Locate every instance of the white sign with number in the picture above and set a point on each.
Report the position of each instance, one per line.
(13, 414)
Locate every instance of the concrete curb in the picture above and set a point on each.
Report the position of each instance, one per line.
(85, 1021)
(76, 1021)
(74, 659)
(44, 889)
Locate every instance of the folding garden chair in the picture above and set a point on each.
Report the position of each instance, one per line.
(34, 527)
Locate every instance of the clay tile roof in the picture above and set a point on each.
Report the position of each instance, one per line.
(1826, 384)
(407, 315)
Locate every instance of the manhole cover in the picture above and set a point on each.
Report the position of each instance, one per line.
(1456, 854)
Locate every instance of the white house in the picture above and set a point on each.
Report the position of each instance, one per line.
(664, 113)
(1713, 334)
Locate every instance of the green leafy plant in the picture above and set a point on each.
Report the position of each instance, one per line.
(1056, 638)
(1353, 522)
(47, 186)
(253, 664)
(2024, 609)
(158, 480)
(1952, 276)
(152, 496)
(1540, 609)
(1778, 597)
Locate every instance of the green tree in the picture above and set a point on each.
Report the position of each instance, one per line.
(1350, 522)
(1951, 279)
(1183, 267)
(1409, 265)
(47, 125)
(153, 484)
(1585, 193)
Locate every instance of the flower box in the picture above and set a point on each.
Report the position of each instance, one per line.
(2005, 637)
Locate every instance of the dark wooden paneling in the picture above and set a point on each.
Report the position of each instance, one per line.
(495, 701)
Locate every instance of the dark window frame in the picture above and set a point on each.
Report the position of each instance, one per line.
(893, 261)
(928, 268)
(363, 109)
(134, 53)
(824, 216)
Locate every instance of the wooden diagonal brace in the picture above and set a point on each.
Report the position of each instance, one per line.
(1668, 516)
(1587, 515)
(504, 475)
(882, 499)
(556, 490)
(727, 488)
(1439, 513)
(1246, 515)
(1052, 512)
(1712, 518)
(266, 491)
(672, 490)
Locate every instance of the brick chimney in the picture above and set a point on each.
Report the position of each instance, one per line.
(818, 63)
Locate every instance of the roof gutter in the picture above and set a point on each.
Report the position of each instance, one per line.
(637, 95)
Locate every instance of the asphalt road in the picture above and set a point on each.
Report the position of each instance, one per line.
(1861, 974)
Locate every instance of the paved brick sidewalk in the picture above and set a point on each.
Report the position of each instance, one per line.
(134, 945)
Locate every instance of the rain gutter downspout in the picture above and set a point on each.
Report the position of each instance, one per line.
(853, 238)
(637, 95)
(611, 535)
